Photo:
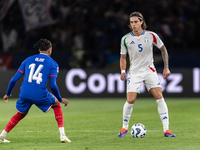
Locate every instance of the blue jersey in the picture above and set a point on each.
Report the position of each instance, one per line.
(37, 69)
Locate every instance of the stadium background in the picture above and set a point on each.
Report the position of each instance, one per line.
(86, 38)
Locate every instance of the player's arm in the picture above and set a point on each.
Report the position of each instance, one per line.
(123, 66)
(11, 85)
(165, 57)
(55, 90)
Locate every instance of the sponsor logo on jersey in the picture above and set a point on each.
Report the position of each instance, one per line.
(132, 42)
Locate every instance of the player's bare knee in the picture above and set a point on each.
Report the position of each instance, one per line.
(56, 103)
(131, 97)
(130, 101)
(158, 96)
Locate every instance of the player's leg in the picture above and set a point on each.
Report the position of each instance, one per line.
(162, 110)
(127, 111)
(22, 107)
(153, 85)
(59, 118)
(52, 102)
(162, 107)
(133, 87)
(128, 107)
(10, 125)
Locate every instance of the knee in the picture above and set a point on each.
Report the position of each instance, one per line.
(131, 97)
(157, 93)
(158, 96)
(130, 100)
(56, 103)
(23, 115)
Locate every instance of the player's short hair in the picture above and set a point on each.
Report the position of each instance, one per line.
(140, 17)
(43, 44)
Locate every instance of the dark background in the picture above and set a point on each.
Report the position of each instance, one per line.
(86, 33)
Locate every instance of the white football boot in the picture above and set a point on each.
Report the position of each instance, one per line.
(64, 139)
(3, 140)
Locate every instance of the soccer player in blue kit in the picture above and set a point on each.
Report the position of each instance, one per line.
(37, 69)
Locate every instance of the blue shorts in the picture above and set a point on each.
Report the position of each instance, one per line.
(24, 104)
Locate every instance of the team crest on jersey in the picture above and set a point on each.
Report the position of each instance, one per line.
(146, 39)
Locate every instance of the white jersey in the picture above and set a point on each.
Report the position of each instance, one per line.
(140, 49)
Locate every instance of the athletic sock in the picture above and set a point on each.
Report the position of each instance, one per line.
(58, 115)
(13, 122)
(62, 130)
(3, 133)
(163, 112)
(127, 111)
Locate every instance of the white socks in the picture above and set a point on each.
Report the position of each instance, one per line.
(163, 112)
(3, 133)
(62, 130)
(127, 111)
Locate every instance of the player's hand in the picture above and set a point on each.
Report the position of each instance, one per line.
(122, 77)
(166, 73)
(5, 98)
(64, 101)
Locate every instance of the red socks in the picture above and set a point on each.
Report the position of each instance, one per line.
(17, 117)
(13, 122)
(58, 115)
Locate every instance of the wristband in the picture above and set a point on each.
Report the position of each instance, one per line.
(123, 71)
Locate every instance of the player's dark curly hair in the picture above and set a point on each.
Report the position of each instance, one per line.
(43, 44)
(140, 17)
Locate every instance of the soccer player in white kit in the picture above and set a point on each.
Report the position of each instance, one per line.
(139, 45)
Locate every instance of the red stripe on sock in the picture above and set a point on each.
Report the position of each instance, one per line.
(58, 115)
(13, 122)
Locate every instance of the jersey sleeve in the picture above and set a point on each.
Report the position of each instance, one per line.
(54, 70)
(55, 89)
(13, 81)
(53, 76)
(22, 67)
(156, 40)
(123, 49)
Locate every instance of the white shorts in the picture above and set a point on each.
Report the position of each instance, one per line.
(149, 77)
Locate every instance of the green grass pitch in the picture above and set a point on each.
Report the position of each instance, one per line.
(93, 124)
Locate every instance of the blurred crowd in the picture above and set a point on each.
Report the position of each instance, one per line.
(90, 29)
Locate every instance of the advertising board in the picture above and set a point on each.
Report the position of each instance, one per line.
(106, 83)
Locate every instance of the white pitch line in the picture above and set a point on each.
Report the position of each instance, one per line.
(97, 131)
(104, 131)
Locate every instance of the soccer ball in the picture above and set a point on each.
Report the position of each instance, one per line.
(138, 130)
